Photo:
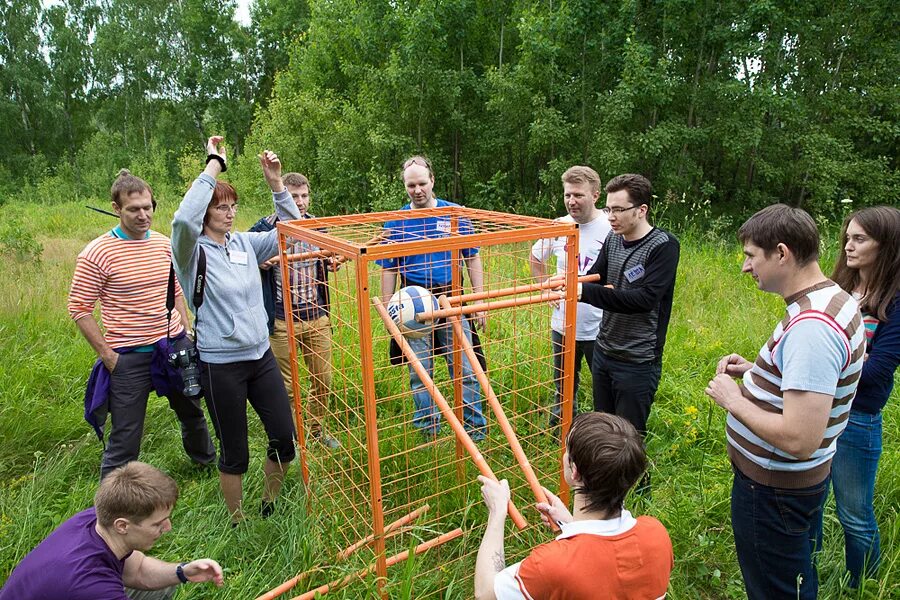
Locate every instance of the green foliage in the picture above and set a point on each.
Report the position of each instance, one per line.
(735, 104)
(18, 243)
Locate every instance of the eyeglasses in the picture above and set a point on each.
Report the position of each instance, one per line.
(224, 209)
(616, 210)
(417, 160)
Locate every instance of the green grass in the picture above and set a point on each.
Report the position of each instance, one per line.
(49, 457)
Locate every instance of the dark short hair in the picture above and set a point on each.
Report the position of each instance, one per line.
(127, 184)
(580, 174)
(223, 192)
(783, 224)
(639, 188)
(609, 455)
(133, 491)
(295, 180)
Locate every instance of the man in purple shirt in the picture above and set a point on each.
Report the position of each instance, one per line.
(100, 551)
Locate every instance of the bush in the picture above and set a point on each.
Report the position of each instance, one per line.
(17, 242)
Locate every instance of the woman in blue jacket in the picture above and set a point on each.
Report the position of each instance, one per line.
(869, 268)
(236, 363)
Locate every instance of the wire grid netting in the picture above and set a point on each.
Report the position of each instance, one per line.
(409, 467)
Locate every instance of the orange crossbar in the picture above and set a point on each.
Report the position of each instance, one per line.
(339, 583)
(481, 306)
(495, 305)
(397, 526)
(495, 405)
(444, 407)
(519, 289)
(405, 520)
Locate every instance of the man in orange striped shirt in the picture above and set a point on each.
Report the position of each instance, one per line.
(127, 271)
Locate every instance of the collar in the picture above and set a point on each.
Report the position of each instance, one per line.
(606, 527)
(118, 233)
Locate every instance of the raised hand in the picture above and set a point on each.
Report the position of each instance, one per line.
(271, 167)
(215, 146)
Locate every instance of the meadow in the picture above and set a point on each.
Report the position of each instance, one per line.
(49, 457)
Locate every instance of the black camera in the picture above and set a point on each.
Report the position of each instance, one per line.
(186, 361)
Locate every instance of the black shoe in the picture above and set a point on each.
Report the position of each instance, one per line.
(267, 509)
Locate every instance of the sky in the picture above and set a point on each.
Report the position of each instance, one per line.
(241, 14)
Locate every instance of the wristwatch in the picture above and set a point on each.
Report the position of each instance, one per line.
(179, 572)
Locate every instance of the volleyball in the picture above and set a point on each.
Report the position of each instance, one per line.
(408, 302)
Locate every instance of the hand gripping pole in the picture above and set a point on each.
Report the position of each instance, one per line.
(505, 426)
(444, 407)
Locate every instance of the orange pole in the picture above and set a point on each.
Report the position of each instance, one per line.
(367, 377)
(455, 352)
(568, 378)
(287, 585)
(445, 408)
(505, 426)
(404, 520)
(339, 583)
(287, 299)
(397, 526)
(497, 304)
(519, 289)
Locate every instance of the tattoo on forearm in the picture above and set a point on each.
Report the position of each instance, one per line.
(499, 561)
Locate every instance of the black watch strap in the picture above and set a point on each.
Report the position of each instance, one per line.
(179, 572)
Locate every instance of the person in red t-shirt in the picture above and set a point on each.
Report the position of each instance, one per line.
(603, 551)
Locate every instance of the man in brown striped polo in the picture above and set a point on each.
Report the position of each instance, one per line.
(785, 416)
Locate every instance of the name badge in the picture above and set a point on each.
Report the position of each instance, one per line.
(634, 273)
(237, 257)
(443, 225)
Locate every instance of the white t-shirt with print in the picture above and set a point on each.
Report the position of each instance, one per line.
(590, 242)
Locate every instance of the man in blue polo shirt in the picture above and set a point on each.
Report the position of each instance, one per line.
(434, 272)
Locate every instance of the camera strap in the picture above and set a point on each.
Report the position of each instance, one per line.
(199, 287)
(197, 299)
(170, 303)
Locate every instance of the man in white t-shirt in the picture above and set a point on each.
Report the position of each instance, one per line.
(581, 190)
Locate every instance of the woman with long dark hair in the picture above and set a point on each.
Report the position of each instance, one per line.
(868, 267)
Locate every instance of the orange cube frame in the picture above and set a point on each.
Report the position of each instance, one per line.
(384, 467)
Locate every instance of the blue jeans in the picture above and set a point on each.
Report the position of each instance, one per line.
(584, 350)
(776, 532)
(427, 416)
(853, 478)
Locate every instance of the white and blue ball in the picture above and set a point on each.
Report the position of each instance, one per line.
(409, 302)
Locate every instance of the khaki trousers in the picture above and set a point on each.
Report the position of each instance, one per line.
(314, 343)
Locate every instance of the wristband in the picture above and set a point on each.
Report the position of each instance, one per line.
(221, 160)
(179, 572)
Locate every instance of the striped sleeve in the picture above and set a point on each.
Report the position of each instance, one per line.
(87, 283)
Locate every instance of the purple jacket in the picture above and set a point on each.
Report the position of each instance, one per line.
(164, 377)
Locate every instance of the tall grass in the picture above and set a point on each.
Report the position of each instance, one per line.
(49, 457)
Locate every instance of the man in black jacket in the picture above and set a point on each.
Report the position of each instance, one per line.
(637, 269)
(312, 326)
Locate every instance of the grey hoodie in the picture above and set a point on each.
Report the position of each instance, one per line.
(231, 322)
